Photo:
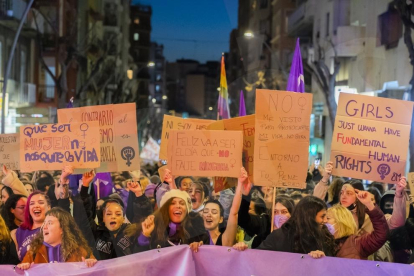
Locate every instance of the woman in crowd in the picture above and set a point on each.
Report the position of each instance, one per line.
(375, 194)
(184, 183)
(348, 243)
(213, 216)
(347, 198)
(13, 211)
(283, 209)
(199, 193)
(304, 232)
(172, 224)
(8, 254)
(254, 217)
(6, 192)
(111, 241)
(29, 187)
(34, 215)
(59, 240)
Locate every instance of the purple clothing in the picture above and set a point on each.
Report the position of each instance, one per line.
(105, 185)
(145, 241)
(24, 238)
(54, 254)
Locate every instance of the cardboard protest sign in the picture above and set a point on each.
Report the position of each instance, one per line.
(410, 181)
(290, 163)
(118, 133)
(53, 146)
(283, 122)
(246, 124)
(10, 151)
(205, 153)
(176, 123)
(370, 138)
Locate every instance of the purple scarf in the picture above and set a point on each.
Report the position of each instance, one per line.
(173, 228)
(54, 253)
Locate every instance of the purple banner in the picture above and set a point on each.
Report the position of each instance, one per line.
(217, 260)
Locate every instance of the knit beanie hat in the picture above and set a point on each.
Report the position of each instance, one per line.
(177, 193)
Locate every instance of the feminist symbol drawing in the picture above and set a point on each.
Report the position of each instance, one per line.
(301, 103)
(84, 127)
(128, 153)
(383, 170)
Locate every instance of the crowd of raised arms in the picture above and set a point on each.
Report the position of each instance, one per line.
(62, 217)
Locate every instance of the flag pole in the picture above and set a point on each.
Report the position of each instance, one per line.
(273, 209)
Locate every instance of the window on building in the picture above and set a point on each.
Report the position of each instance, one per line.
(136, 21)
(158, 77)
(263, 26)
(136, 36)
(263, 4)
(157, 88)
(389, 29)
(287, 14)
(327, 24)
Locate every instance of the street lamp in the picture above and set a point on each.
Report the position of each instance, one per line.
(151, 64)
(249, 34)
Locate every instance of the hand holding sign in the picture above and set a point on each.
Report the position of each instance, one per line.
(66, 172)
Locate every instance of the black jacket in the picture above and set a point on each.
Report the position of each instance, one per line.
(138, 208)
(253, 224)
(196, 233)
(9, 254)
(107, 246)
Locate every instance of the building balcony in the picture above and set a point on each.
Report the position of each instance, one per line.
(349, 40)
(300, 22)
(12, 9)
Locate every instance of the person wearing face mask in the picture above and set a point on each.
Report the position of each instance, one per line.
(348, 243)
(111, 240)
(34, 215)
(172, 224)
(213, 216)
(283, 210)
(59, 241)
(304, 232)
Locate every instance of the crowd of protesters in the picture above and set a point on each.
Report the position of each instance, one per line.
(60, 216)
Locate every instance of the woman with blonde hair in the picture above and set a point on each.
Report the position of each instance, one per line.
(348, 243)
(8, 254)
(59, 240)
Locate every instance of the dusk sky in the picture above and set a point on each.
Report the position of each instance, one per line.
(193, 29)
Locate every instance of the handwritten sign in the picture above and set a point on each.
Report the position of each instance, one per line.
(10, 151)
(282, 122)
(50, 147)
(151, 151)
(176, 123)
(205, 153)
(118, 133)
(370, 138)
(246, 124)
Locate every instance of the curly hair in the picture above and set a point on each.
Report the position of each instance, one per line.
(72, 237)
(307, 233)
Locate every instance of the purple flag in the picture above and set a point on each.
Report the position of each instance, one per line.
(215, 260)
(70, 103)
(242, 106)
(296, 81)
(223, 100)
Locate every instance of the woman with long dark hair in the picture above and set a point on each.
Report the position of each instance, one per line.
(59, 241)
(172, 224)
(283, 210)
(13, 211)
(304, 232)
